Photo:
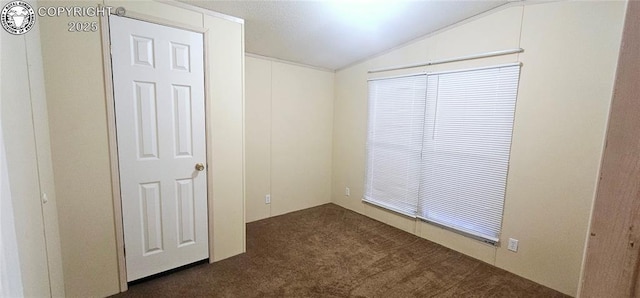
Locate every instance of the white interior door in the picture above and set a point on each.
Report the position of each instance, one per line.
(158, 80)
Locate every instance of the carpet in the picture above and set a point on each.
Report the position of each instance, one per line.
(329, 251)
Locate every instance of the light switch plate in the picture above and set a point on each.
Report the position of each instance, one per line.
(512, 245)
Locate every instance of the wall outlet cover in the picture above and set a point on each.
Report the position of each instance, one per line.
(267, 199)
(512, 245)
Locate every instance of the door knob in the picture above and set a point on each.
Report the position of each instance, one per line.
(199, 166)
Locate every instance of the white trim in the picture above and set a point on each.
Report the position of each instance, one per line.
(448, 60)
(244, 143)
(388, 208)
(475, 68)
(202, 10)
(113, 152)
(160, 21)
(462, 231)
(208, 103)
(445, 71)
(399, 76)
(252, 55)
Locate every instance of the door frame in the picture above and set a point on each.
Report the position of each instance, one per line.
(111, 132)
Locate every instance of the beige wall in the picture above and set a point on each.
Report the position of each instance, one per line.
(560, 124)
(565, 89)
(289, 137)
(258, 136)
(80, 145)
(26, 137)
(611, 258)
(78, 126)
(226, 134)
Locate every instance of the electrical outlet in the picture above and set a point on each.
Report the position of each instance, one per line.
(347, 191)
(513, 245)
(267, 199)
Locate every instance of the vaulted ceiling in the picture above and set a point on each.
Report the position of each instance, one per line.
(334, 34)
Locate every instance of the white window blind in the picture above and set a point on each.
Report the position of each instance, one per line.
(394, 144)
(438, 146)
(467, 140)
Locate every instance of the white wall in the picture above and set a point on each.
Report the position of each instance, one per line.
(571, 49)
(26, 137)
(76, 98)
(289, 137)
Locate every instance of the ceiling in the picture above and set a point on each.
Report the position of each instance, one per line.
(334, 34)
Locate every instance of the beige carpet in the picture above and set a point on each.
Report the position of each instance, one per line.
(329, 251)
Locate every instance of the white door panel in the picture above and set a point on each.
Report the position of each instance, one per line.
(158, 80)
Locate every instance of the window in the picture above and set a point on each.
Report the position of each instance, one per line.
(394, 144)
(438, 146)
